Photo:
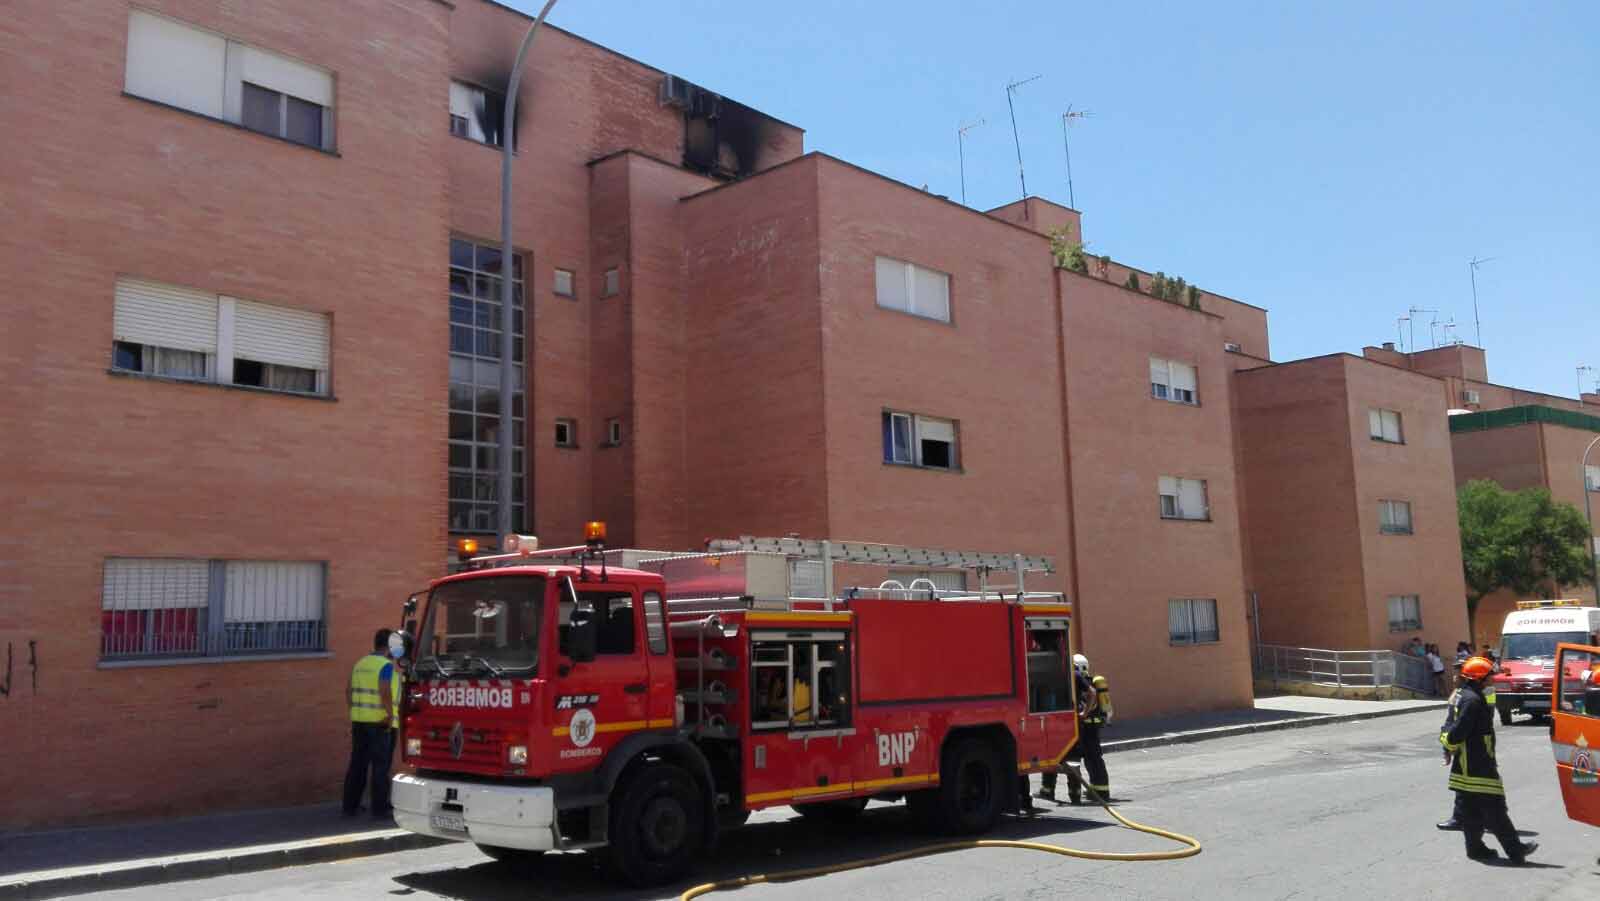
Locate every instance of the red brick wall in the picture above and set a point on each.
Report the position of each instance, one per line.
(1304, 521)
(1130, 561)
(123, 466)
(1427, 562)
(754, 421)
(990, 369)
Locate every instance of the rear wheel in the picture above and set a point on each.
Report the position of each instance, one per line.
(657, 825)
(972, 789)
(841, 811)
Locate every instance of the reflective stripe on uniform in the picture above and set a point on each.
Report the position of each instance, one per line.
(1477, 786)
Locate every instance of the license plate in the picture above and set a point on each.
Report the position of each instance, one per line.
(448, 822)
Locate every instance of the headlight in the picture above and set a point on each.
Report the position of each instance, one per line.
(517, 754)
(413, 747)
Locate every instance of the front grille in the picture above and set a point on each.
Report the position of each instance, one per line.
(482, 746)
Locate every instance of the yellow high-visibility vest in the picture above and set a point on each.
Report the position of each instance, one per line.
(366, 700)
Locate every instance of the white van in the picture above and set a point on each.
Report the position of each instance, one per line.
(1528, 643)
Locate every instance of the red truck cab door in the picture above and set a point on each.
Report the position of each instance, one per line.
(600, 702)
(1575, 730)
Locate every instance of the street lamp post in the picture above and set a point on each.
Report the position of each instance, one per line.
(507, 273)
(1588, 513)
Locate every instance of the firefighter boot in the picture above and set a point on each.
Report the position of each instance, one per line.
(1523, 850)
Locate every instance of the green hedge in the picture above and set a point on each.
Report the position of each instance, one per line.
(1510, 416)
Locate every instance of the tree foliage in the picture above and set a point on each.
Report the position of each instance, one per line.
(1525, 541)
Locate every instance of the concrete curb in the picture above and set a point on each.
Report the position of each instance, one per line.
(156, 870)
(1322, 719)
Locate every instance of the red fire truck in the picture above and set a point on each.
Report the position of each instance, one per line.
(636, 701)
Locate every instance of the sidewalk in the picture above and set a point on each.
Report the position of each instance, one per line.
(99, 858)
(1269, 714)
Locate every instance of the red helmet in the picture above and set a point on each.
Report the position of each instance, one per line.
(1477, 668)
(1594, 678)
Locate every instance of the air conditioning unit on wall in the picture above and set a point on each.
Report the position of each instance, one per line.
(676, 92)
(1230, 347)
(1468, 396)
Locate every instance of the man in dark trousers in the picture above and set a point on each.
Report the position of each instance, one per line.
(371, 697)
(1468, 741)
(1094, 711)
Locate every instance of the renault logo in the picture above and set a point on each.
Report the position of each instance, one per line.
(457, 740)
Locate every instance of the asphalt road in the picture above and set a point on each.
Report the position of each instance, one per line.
(1343, 811)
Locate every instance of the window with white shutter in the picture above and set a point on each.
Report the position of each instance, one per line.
(179, 332)
(912, 289)
(175, 64)
(1183, 498)
(1394, 517)
(1192, 621)
(1405, 613)
(915, 440)
(198, 70)
(1173, 381)
(1591, 478)
(1384, 425)
(279, 348)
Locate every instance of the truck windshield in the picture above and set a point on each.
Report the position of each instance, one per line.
(1537, 645)
(479, 627)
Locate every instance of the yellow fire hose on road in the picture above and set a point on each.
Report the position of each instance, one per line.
(1192, 847)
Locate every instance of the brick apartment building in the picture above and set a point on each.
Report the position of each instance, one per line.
(254, 346)
(1519, 439)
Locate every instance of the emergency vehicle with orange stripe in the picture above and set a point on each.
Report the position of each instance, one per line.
(639, 702)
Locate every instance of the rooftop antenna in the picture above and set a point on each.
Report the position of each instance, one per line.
(1581, 371)
(1472, 267)
(1400, 326)
(1066, 119)
(1411, 317)
(961, 148)
(1011, 89)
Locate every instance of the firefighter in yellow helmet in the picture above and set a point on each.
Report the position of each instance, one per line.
(1468, 740)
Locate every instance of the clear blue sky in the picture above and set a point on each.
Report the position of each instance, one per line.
(1336, 163)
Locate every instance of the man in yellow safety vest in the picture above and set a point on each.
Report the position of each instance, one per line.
(373, 697)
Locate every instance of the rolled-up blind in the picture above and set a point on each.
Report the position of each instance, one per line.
(165, 316)
(287, 76)
(174, 63)
(273, 591)
(1192, 497)
(892, 289)
(133, 583)
(1159, 373)
(936, 430)
(932, 291)
(1183, 377)
(270, 334)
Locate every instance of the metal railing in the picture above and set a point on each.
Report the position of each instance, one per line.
(1342, 669)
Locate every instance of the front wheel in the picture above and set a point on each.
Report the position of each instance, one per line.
(657, 825)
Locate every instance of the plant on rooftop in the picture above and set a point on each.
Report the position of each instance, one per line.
(1132, 283)
(1068, 254)
(1194, 297)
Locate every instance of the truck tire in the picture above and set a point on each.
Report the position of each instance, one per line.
(657, 825)
(844, 810)
(972, 789)
(1505, 715)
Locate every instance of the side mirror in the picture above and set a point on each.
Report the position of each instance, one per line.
(583, 635)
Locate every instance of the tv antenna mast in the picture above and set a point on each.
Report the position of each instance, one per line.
(1472, 267)
(1411, 315)
(1400, 327)
(961, 148)
(1011, 90)
(1581, 371)
(1066, 119)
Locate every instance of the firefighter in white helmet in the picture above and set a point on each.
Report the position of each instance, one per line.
(1094, 711)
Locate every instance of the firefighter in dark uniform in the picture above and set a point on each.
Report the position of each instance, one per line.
(1468, 740)
(1454, 823)
(1094, 711)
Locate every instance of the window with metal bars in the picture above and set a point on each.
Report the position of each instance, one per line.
(157, 608)
(474, 420)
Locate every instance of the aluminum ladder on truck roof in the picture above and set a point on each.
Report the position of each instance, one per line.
(829, 552)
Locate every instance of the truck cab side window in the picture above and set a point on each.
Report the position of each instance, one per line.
(1580, 683)
(615, 612)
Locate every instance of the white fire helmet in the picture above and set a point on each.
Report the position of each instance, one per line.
(1080, 663)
